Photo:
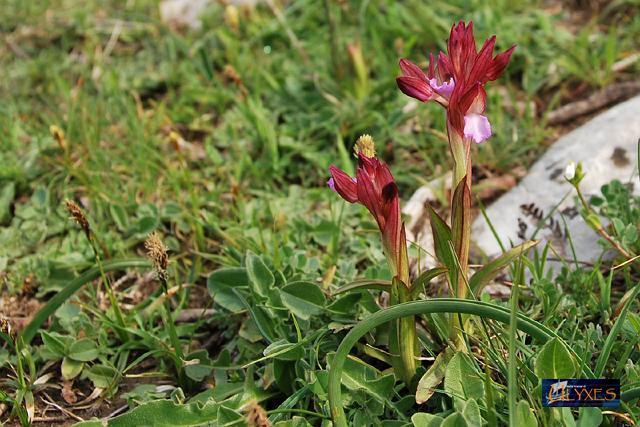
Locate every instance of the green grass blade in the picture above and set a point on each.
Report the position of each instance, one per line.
(58, 299)
(361, 284)
(512, 374)
(613, 334)
(436, 305)
(490, 270)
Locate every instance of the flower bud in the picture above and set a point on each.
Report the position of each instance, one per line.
(574, 173)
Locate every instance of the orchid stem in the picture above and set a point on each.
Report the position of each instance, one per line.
(407, 339)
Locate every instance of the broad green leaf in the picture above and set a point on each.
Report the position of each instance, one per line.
(471, 413)
(454, 420)
(119, 216)
(227, 416)
(263, 322)
(70, 368)
(284, 350)
(162, 413)
(220, 284)
(362, 284)
(555, 361)
(293, 422)
(146, 225)
(567, 417)
(83, 350)
(198, 365)
(54, 343)
(589, 417)
(357, 375)
(6, 198)
(462, 381)
(197, 371)
(260, 277)
(227, 299)
(284, 374)
(102, 376)
(422, 419)
(524, 416)
(433, 377)
(230, 277)
(170, 210)
(346, 304)
(304, 299)
(489, 271)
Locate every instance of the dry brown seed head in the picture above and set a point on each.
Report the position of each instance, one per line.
(366, 146)
(231, 17)
(157, 253)
(257, 416)
(5, 327)
(58, 135)
(176, 140)
(77, 214)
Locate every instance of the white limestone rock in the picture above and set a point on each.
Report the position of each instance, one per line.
(187, 13)
(183, 13)
(607, 148)
(418, 226)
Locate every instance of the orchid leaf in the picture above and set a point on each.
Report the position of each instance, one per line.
(426, 277)
(489, 271)
(441, 238)
(362, 284)
(461, 221)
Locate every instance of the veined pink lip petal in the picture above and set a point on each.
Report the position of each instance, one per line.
(477, 127)
(444, 89)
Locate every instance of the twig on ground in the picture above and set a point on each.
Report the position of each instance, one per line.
(192, 314)
(67, 412)
(609, 95)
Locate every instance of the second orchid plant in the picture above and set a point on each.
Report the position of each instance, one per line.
(455, 80)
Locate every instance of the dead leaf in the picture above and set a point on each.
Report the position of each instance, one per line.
(68, 394)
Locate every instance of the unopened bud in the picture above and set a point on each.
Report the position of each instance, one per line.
(574, 173)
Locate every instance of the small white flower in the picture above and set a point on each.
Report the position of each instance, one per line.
(570, 171)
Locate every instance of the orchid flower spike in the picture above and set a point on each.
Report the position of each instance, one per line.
(456, 81)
